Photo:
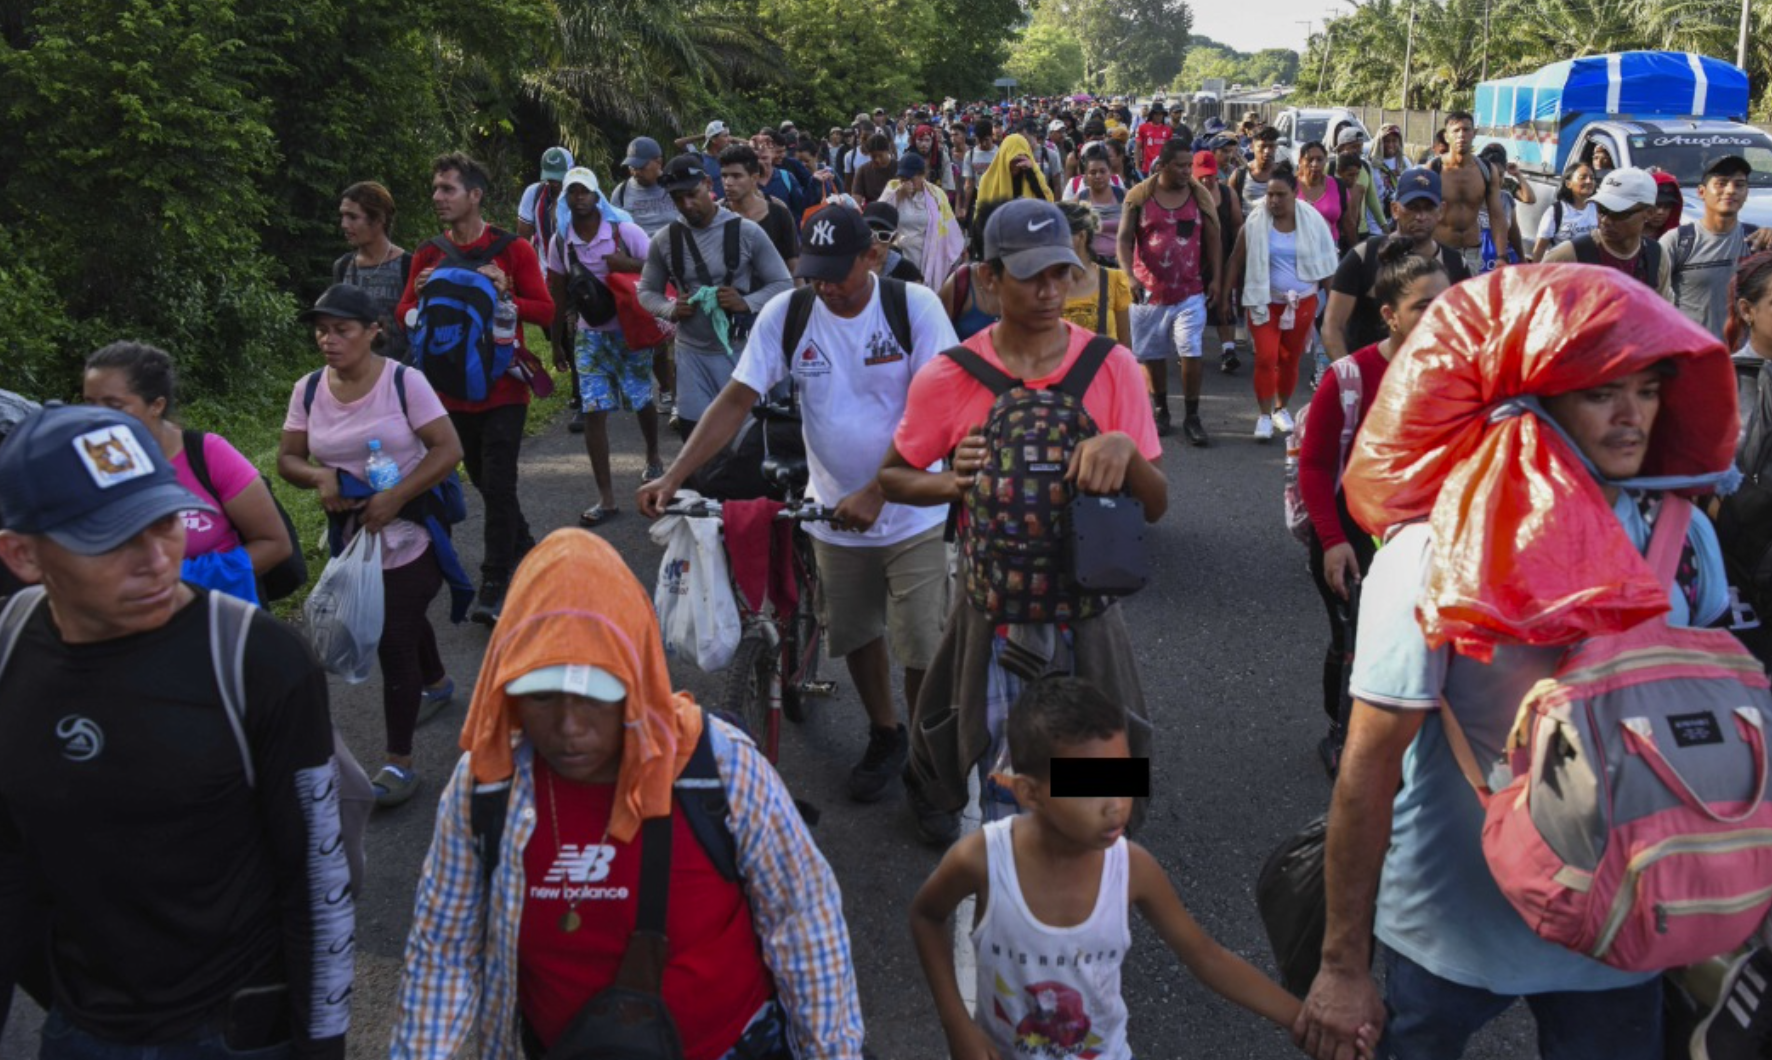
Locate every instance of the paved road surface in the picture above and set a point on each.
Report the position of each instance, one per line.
(1230, 638)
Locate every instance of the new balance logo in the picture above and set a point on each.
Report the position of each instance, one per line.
(589, 864)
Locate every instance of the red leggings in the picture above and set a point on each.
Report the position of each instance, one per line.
(1277, 352)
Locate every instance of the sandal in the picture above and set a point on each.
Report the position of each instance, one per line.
(393, 785)
(596, 515)
(435, 700)
(654, 472)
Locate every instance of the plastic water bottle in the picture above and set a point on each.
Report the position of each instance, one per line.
(1291, 459)
(380, 469)
(504, 322)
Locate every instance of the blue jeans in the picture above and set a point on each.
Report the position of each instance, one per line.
(64, 1041)
(1430, 1018)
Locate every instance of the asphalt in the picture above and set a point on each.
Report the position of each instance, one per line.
(1230, 637)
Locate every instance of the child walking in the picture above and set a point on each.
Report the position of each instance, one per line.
(1049, 956)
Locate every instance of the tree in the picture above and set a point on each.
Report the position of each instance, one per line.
(1046, 58)
(975, 43)
(1128, 45)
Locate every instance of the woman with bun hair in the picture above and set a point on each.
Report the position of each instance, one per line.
(1340, 550)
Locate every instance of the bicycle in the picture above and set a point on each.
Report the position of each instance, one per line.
(775, 668)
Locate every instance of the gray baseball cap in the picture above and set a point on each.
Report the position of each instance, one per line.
(1030, 236)
(641, 150)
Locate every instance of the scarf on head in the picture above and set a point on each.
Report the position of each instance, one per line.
(999, 184)
(1526, 550)
(1668, 180)
(574, 601)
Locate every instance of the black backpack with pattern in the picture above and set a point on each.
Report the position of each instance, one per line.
(1017, 569)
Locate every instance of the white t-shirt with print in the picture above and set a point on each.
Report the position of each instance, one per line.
(1575, 223)
(853, 380)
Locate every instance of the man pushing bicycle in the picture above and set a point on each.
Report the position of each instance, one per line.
(851, 342)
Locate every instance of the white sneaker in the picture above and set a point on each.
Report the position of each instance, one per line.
(1283, 420)
(1264, 428)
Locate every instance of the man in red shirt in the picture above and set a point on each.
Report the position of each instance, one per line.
(1152, 134)
(491, 430)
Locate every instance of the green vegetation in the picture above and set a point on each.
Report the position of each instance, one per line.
(1208, 58)
(1123, 45)
(1454, 39)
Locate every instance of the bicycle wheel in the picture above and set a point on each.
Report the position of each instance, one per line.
(800, 651)
(750, 676)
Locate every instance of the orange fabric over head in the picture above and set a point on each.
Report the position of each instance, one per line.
(1525, 548)
(574, 601)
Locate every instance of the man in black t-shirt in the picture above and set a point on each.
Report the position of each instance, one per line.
(192, 866)
(1352, 321)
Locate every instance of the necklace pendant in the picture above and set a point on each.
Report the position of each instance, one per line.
(570, 921)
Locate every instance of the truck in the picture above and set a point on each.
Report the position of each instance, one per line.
(1677, 111)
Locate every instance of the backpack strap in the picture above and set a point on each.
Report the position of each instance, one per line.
(13, 617)
(230, 621)
(198, 462)
(1668, 539)
(1649, 263)
(1101, 300)
(962, 291)
(486, 824)
(1587, 251)
(1684, 243)
(310, 389)
(1076, 381)
(895, 302)
(793, 329)
(702, 794)
(400, 391)
(732, 238)
(341, 267)
(1350, 386)
(994, 379)
(655, 877)
(462, 259)
(1556, 217)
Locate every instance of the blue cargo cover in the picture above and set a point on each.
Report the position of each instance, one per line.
(1536, 115)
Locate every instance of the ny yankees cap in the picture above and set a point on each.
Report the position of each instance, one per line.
(1418, 183)
(830, 241)
(87, 478)
(591, 682)
(1029, 236)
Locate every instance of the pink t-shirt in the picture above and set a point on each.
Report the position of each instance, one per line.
(591, 255)
(230, 473)
(339, 434)
(945, 402)
(1328, 204)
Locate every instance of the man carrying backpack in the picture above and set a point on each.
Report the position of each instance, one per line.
(850, 342)
(611, 866)
(190, 857)
(1622, 203)
(1353, 320)
(454, 343)
(1704, 252)
(1466, 576)
(725, 269)
(1025, 612)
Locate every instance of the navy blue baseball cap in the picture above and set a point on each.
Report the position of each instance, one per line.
(830, 241)
(1418, 183)
(87, 478)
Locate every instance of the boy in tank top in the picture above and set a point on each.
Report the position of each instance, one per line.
(1049, 956)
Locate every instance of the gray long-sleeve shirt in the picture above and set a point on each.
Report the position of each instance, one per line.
(760, 276)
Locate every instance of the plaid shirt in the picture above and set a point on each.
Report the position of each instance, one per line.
(461, 955)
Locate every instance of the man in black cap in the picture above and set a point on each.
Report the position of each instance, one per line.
(851, 342)
(1705, 251)
(199, 901)
(641, 195)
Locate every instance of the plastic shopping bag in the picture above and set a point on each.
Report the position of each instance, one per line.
(345, 610)
(694, 601)
(1294, 908)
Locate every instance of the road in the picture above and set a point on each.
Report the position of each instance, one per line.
(1230, 639)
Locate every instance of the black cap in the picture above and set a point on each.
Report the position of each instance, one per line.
(1728, 166)
(682, 173)
(345, 302)
(830, 241)
(882, 218)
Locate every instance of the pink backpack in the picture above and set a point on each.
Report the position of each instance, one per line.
(1636, 828)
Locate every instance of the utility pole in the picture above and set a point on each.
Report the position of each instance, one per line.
(1485, 74)
(1328, 42)
(1408, 54)
(1741, 41)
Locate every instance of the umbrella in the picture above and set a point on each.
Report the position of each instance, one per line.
(1082, 97)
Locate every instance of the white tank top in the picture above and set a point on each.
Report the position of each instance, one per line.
(1047, 991)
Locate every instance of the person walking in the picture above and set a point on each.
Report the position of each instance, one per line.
(1571, 214)
(927, 232)
(357, 404)
(1100, 296)
(375, 262)
(1622, 205)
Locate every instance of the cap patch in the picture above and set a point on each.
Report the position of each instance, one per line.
(112, 456)
(824, 234)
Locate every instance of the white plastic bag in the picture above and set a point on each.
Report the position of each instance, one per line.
(345, 610)
(694, 601)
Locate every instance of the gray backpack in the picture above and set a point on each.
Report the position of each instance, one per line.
(230, 620)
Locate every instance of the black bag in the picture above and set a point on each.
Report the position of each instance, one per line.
(290, 573)
(588, 296)
(1294, 906)
(1106, 543)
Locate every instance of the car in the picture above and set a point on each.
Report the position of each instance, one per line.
(1302, 125)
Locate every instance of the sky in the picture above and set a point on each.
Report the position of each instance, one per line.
(1251, 25)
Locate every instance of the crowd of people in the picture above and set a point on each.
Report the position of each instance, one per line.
(973, 310)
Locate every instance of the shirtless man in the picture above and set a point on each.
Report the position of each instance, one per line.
(1464, 191)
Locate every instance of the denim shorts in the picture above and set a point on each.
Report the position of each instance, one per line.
(64, 1041)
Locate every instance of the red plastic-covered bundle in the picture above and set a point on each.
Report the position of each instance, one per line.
(1525, 548)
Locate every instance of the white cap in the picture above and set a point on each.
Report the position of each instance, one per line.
(1625, 189)
(715, 128)
(1055, 126)
(579, 175)
(591, 682)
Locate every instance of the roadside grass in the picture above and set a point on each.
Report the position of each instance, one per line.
(251, 418)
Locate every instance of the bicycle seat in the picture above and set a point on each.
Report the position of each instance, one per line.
(775, 412)
(786, 474)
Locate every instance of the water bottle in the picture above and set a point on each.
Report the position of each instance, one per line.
(504, 323)
(380, 469)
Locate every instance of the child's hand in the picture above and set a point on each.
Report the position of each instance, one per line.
(967, 1042)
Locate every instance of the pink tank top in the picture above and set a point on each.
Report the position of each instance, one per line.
(1168, 260)
(1328, 204)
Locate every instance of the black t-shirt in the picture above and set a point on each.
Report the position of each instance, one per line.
(903, 268)
(1357, 274)
(172, 883)
(779, 226)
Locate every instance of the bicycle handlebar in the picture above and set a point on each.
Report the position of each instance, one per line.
(706, 508)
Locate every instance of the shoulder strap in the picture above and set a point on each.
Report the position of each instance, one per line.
(17, 612)
(230, 621)
(655, 875)
(1101, 300)
(501, 240)
(962, 291)
(732, 236)
(400, 391)
(794, 327)
(405, 267)
(198, 461)
(895, 303)
(341, 265)
(1586, 250)
(997, 381)
(1683, 245)
(310, 389)
(1556, 217)
(1435, 164)
(486, 824)
(1668, 538)
(702, 795)
(1649, 263)
(451, 253)
(1076, 381)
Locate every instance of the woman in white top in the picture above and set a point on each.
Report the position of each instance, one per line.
(1571, 215)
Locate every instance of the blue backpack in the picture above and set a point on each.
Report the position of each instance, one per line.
(452, 342)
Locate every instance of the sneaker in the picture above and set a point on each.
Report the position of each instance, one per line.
(936, 827)
(435, 700)
(1264, 428)
(393, 785)
(1227, 362)
(1739, 1025)
(653, 473)
(576, 424)
(1165, 426)
(489, 604)
(884, 759)
(1195, 432)
(667, 402)
(1283, 421)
